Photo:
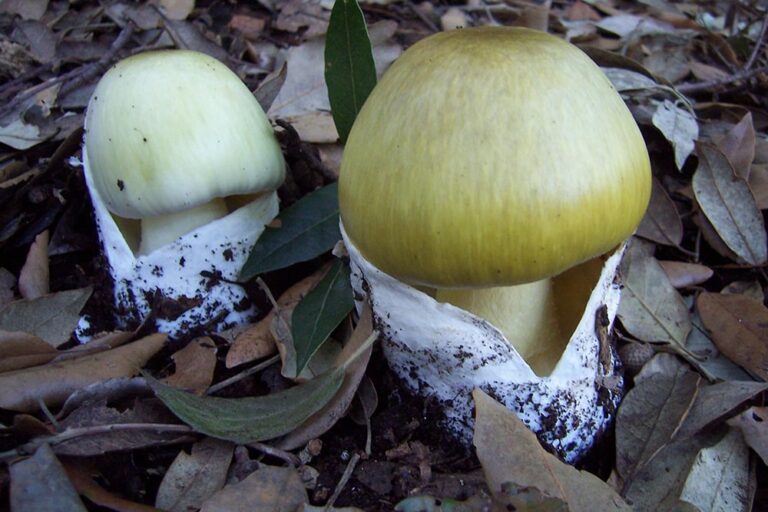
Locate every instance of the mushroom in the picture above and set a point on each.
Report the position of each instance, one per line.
(484, 180)
(182, 165)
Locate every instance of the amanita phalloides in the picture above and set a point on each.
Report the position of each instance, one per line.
(182, 165)
(486, 188)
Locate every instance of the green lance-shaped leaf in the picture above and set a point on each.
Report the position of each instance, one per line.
(350, 72)
(320, 312)
(307, 229)
(244, 420)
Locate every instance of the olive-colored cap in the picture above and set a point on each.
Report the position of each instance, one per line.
(491, 156)
(170, 130)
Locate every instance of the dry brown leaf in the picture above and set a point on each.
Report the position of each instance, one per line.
(325, 418)
(195, 364)
(40, 483)
(510, 454)
(661, 222)
(250, 26)
(754, 425)
(193, 478)
(53, 383)
(257, 341)
(187, 36)
(176, 9)
(739, 328)
(683, 275)
(7, 282)
(276, 489)
(758, 184)
(748, 288)
(738, 146)
(705, 72)
(579, 11)
(535, 17)
(85, 485)
(21, 350)
(34, 275)
(27, 9)
(296, 15)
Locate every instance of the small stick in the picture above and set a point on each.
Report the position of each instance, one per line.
(744, 74)
(240, 376)
(758, 45)
(283, 455)
(343, 482)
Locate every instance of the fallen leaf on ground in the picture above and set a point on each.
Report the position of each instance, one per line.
(86, 486)
(719, 478)
(729, 205)
(715, 401)
(682, 274)
(739, 327)
(679, 127)
(277, 489)
(52, 383)
(650, 308)
(193, 478)
(650, 415)
(21, 350)
(257, 341)
(510, 453)
(195, 364)
(51, 317)
(334, 410)
(40, 483)
(738, 146)
(34, 275)
(661, 222)
(753, 423)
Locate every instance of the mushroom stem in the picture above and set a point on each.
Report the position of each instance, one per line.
(526, 314)
(161, 230)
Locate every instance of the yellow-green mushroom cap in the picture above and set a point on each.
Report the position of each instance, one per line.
(171, 130)
(489, 157)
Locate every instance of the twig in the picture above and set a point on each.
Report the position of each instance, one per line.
(283, 455)
(428, 22)
(745, 74)
(78, 76)
(758, 45)
(240, 376)
(12, 86)
(68, 435)
(343, 482)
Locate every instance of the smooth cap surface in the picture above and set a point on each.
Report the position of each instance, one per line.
(173, 129)
(491, 156)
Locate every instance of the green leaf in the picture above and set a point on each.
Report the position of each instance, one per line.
(244, 420)
(350, 72)
(320, 312)
(308, 228)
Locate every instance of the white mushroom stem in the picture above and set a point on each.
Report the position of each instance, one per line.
(526, 314)
(160, 230)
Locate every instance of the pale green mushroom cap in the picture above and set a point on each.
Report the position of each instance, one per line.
(171, 130)
(490, 157)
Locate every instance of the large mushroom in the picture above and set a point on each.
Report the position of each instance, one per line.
(182, 166)
(485, 184)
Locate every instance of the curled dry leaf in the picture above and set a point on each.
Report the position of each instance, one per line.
(21, 350)
(33, 278)
(739, 328)
(510, 454)
(176, 9)
(52, 383)
(86, 485)
(753, 423)
(679, 127)
(194, 366)
(278, 489)
(730, 206)
(683, 275)
(661, 222)
(336, 408)
(257, 341)
(193, 478)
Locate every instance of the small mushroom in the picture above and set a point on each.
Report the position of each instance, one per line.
(484, 184)
(182, 165)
